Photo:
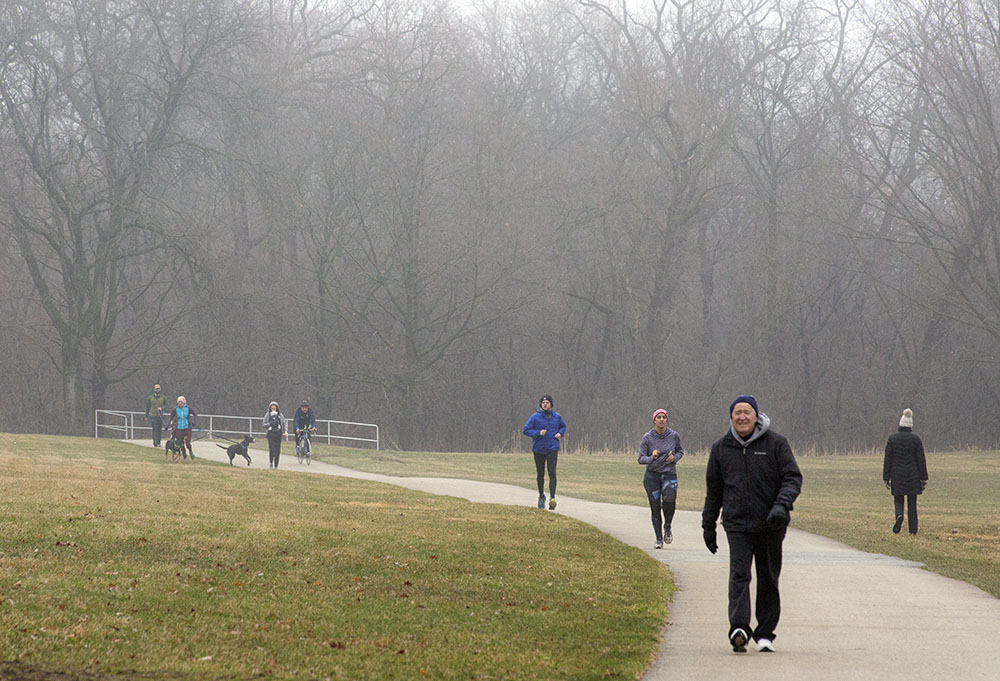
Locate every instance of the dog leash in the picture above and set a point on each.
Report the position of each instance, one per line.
(223, 437)
(201, 437)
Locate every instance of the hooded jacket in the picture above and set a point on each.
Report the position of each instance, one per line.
(549, 421)
(274, 423)
(904, 466)
(746, 478)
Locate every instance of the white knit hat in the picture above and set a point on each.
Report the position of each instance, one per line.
(907, 419)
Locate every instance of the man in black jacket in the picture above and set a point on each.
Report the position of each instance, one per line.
(304, 418)
(752, 477)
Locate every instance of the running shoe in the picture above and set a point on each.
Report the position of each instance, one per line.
(739, 640)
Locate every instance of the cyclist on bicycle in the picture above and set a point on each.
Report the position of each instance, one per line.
(304, 418)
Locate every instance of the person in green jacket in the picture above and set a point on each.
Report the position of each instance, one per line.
(155, 404)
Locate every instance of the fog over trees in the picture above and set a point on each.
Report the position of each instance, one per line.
(427, 214)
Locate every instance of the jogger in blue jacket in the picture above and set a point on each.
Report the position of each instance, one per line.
(546, 429)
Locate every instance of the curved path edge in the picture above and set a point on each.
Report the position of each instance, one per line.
(846, 614)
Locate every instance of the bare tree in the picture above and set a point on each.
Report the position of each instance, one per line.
(951, 206)
(93, 96)
(931, 158)
(415, 270)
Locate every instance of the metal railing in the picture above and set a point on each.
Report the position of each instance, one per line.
(128, 425)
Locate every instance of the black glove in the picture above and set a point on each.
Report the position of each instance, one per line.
(710, 540)
(923, 485)
(778, 517)
(888, 485)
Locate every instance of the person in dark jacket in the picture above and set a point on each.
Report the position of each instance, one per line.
(660, 450)
(546, 429)
(904, 471)
(274, 426)
(752, 477)
(304, 418)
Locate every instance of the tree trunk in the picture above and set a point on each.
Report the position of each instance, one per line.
(74, 396)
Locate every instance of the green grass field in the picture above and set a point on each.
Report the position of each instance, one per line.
(117, 564)
(843, 497)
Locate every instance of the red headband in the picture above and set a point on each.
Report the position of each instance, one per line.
(658, 412)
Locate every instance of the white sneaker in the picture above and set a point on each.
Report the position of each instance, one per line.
(765, 645)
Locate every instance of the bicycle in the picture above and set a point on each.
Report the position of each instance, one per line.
(303, 450)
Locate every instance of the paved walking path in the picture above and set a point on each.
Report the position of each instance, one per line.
(846, 614)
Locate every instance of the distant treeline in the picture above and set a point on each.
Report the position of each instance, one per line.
(427, 215)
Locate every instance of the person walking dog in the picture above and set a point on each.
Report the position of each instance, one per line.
(904, 471)
(184, 416)
(546, 429)
(753, 478)
(156, 405)
(660, 450)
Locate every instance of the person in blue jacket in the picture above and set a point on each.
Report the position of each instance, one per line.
(546, 429)
(183, 416)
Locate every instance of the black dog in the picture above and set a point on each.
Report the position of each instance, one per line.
(175, 447)
(240, 448)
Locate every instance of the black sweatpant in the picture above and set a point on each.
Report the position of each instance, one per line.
(273, 448)
(764, 550)
(911, 509)
(543, 460)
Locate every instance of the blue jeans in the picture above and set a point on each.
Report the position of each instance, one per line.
(661, 489)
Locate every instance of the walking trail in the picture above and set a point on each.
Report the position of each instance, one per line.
(846, 614)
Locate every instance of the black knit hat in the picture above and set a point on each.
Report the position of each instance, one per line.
(546, 397)
(749, 399)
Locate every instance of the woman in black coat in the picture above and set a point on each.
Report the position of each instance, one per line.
(905, 471)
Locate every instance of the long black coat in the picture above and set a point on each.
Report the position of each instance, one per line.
(904, 466)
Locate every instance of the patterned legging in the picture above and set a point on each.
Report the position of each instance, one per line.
(661, 489)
